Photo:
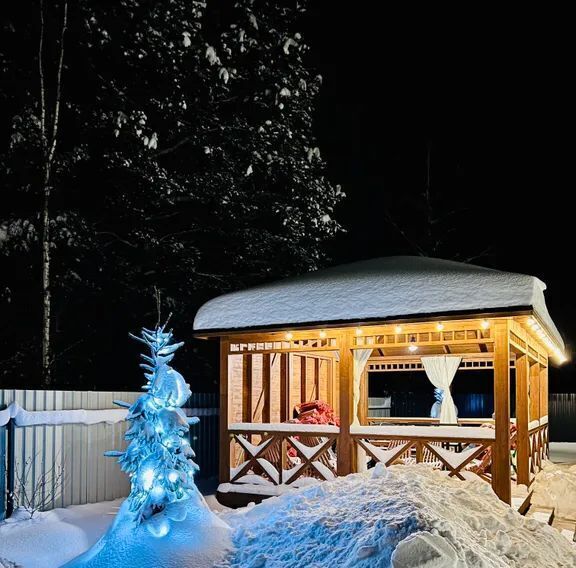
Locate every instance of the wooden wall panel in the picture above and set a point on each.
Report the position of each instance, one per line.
(235, 388)
(275, 388)
(258, 395)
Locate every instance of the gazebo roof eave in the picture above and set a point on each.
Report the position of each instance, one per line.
(507, 311)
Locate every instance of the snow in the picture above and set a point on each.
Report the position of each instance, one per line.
(54, 417)
(555, 487)
(198, 539)
(379, 289)
(52, 538)
(316, 429)
(430, 432)
(402, 516)
(563, 452)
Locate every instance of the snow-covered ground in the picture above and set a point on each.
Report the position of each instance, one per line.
(563, 452)
(52, 538)
(403, 516)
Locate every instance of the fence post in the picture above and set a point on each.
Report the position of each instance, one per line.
(10, 466)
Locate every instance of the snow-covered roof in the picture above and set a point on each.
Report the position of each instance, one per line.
(379, 289)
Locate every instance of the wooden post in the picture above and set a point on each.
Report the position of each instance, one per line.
(285, 373)
(345, 444)
(303, 385)
(522, 420)
(266, 386)
(246, 388)
(535, 391)
(224, 444)
(501, 451)
(543, 398)
(317, 377)
(363, 406)
(544, 408)
(330, 382)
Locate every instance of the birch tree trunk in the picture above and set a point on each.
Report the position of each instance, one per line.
(49, 137)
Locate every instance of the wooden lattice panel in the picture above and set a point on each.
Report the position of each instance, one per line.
(313, 344)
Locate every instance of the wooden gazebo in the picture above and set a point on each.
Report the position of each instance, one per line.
(318, 336)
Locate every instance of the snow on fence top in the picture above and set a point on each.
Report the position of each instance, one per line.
(55, 417)
(378, 289)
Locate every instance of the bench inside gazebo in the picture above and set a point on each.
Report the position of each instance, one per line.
(293, 350)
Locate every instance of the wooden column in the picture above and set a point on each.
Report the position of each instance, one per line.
(543, 399)
(345, 445)
(266, 386)
(501, 452)
(303, 385)
(544, 407)
(224, 442)
(330, 382)
(363, 406)
(535, 391)
(522, 419)
(285, 372)
(246, 388)
(317, 377)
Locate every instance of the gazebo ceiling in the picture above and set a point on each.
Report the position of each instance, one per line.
(380, 289)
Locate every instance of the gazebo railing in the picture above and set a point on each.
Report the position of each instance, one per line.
(383, 420)
(539, 444)
(282, 454)
(451, 448)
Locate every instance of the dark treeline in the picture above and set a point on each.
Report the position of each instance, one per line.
(151, 152)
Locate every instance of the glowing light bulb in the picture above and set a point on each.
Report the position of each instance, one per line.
(440, 326)
(173, 476)
(413, 348)
(288, 335)
(322, 334)
(359, 331)
(398, 329)
(147, 478)
(485, 324)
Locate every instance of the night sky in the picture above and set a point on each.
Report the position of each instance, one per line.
(492, 103)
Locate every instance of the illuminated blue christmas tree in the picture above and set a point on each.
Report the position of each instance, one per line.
(165, 521)
(159, 459)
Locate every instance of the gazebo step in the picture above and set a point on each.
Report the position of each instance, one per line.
(567, 527)
(522, 502)
(542, 514)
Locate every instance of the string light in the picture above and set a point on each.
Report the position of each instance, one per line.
(398, 329)
(322, 334)
(412, 347)
(485, 324)
(439, 326)
(359, 331)
(539, 331)
(288, 335)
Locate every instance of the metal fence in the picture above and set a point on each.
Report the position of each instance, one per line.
(40, 454)
(562, 416)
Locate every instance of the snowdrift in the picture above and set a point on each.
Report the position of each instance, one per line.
(555, 486)
(198, 539)
(403, 516)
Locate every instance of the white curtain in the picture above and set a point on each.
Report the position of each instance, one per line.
(361, 357)
(440, 371)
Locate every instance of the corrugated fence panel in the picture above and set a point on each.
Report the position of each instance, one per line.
(2, 471)
(204, 435)
(75, 451)
(562, 416)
